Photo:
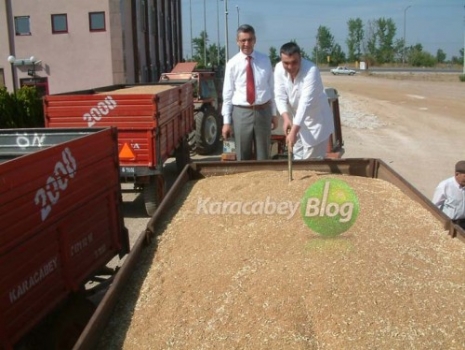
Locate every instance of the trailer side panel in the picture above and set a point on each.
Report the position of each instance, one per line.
(151, 119)
(61, 221)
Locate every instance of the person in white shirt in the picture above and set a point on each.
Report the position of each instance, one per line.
(449, 195)
(303, 104)
(249, 118)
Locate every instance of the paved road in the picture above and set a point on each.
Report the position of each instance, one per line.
(421, 126)
(404, 70)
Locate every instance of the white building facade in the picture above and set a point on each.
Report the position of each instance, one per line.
(62, 46)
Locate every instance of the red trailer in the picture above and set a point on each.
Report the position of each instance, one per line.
(60, 219)
(153, 121)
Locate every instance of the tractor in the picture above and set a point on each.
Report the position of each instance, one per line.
(206, 136)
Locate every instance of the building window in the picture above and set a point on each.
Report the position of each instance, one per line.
(60, 23)
(97, 21)
(22, 25)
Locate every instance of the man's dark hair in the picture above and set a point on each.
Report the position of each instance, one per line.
(290, 49)
(460, 167)
(246, 28)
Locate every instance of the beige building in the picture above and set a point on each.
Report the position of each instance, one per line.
(63, 46)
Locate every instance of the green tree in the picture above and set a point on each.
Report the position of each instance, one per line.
(274, 56)
(21, 110)
(8, 109)
(354, 39)
(379, 46)
(399, 48)
(440, 56)
(337, 55)
(215, 55)
(30, 107)
(304, 54)
(419, 58)
(199, 45)
(386, 31)
(459, 59)
(371, 43)
(324, 45)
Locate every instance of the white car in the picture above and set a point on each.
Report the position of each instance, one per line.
(342, 70)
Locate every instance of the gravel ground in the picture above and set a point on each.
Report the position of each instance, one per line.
(353, 115)
(414, 122)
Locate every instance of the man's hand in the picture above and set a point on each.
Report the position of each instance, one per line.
(291, 137)
(274, 122)
(287, 123)
(226, 131)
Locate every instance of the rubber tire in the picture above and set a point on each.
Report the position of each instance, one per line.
(182, 154)
(207, 131)
(69, 323)
(153, 194)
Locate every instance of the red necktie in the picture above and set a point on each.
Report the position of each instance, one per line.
(250, 82)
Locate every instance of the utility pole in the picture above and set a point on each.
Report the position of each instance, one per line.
(226, 31)
(238, 22)
(218, 30)
(204, 33)
(190, 13)
(464, 44)
(317, 49)
(405, 31)
(11, 41)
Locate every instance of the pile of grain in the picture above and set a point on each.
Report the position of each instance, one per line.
(395, 280)
(144, 89)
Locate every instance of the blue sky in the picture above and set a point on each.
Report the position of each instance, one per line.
(433, 23)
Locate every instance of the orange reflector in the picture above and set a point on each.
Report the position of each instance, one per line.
(126, 153)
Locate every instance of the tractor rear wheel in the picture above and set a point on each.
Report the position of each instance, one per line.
(207, 131)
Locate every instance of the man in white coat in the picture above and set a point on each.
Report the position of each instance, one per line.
(449, 195)
(302, 103)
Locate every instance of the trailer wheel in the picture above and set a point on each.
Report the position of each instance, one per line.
(153, 193)
(207, 131)
(182, 154)
(69, 323)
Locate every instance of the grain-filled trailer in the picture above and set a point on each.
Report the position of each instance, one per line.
(408, 260)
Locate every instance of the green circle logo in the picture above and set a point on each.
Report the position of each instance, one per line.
(329, 207)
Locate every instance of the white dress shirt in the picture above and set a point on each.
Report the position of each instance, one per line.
(235, 82)
(450, 198)
(306, 102)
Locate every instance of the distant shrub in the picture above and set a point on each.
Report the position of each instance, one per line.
(421, 59)
(462, 77)
(21, 110)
